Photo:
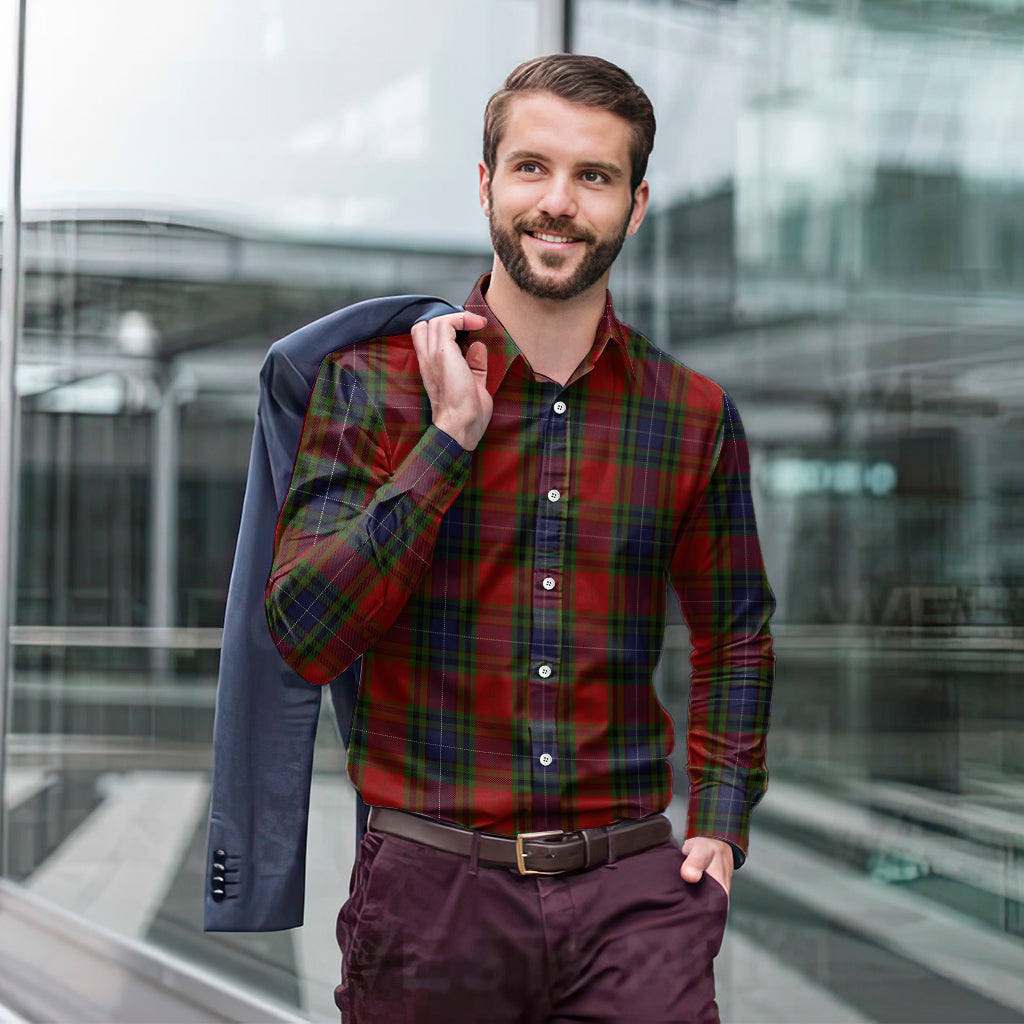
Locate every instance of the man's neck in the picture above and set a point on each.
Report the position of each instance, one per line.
(553, 334)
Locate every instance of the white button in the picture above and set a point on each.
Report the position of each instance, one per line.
(545, 759)
(560, 407)
(548, 583)
(553, 495)
(544, 671)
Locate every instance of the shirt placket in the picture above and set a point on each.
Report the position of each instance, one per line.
(548, 587)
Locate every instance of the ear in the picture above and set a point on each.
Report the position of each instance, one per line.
(485, 182)
(640, 199)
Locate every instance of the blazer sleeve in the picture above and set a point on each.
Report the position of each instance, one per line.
(266, 715)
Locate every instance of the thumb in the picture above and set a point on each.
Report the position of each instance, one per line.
(476, 356)
(693, 865)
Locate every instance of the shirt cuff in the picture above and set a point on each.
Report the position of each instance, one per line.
(434, 472)
(721, 811)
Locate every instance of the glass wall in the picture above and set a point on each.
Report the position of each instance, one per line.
(837, 237)
(8, 23)
(200, 178)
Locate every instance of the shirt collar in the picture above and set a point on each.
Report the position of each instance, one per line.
(503, 353)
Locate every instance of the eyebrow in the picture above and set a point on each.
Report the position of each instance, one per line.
(613, 171)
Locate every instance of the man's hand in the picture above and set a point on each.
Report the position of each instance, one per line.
(457, 386)
(711, 855)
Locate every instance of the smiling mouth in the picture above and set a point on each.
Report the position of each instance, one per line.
(546, 237)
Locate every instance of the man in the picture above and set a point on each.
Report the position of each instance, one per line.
(492, 527)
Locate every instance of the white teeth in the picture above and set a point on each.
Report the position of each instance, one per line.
(551, 238)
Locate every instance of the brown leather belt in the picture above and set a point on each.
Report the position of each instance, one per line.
(530, 853)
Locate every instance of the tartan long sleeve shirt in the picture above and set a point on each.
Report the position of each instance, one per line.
(509, 603)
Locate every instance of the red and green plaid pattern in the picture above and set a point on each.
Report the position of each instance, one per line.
(509, 603)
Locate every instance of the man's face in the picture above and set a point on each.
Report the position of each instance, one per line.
(559, 203)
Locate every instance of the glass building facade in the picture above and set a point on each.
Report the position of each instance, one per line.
(836, 235)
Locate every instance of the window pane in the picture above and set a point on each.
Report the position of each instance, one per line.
(836, 236)
(201, 177)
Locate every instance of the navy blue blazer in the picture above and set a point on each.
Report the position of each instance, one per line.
(266, 714)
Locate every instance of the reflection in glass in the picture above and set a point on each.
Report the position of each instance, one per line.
(201, 178)
(836, 237)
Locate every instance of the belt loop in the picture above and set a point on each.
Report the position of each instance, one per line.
(586, 848)
(611, 848)
(474, 853)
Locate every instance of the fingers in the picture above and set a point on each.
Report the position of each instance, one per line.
(455, 384)
(435, 342)
(449, 323)
(472, 321)
(431, 338)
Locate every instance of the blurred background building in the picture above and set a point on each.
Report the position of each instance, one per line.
(836, 236)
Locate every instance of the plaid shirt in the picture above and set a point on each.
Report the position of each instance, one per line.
(509, 603)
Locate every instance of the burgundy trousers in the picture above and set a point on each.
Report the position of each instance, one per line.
(429, 937)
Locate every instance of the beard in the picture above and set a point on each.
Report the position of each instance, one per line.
(598, 257)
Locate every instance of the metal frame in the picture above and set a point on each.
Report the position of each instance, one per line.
(10, 323)
(554, 26)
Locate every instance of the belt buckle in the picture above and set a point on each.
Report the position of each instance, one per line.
(521, 856)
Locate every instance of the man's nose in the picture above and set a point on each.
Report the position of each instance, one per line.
(559, 199)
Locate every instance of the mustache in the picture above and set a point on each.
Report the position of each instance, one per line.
(552, 226)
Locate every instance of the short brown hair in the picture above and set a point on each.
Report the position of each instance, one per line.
(577, 78)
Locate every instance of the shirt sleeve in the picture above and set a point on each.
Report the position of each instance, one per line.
(718, 574)
(356, 532)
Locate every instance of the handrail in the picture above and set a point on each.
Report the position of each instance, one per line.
(167, 637)
(803, 637)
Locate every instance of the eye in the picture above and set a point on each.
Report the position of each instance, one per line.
(594, 177)
(529, 167)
